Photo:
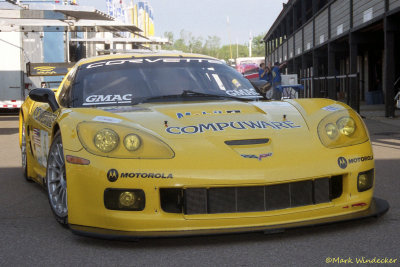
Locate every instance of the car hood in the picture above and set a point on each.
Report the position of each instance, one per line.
(242, 137)
(228, 119)
(219, 129)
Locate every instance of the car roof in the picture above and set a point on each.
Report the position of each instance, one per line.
(142, 54)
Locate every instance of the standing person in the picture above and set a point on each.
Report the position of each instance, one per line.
(264, 73)
(276, 79)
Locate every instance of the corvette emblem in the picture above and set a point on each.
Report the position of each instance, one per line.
(259, 157)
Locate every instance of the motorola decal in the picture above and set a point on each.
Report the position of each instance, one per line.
(112, 175)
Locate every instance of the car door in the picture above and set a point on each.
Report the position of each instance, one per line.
(40, 129)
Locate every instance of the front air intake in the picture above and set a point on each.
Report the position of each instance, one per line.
(251, 198)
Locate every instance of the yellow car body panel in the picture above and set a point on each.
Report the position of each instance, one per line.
(197, 135)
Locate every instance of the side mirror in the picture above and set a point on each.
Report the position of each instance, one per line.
(261, 87)
(44, 95)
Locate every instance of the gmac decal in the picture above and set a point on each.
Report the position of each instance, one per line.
(235, 125)
(107, 99)
(242, 92)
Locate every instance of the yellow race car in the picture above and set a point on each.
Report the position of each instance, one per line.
(145, 145)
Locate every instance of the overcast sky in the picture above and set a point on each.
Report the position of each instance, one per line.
(209, 17)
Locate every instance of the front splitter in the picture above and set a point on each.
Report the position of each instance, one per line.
(377, 208)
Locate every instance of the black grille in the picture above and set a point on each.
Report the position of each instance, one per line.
(221, 200)
(260, 198)
(196, 201)
(301, 193)
(250, 198)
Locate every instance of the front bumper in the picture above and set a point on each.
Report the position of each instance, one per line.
(87, 184)
(377, 208)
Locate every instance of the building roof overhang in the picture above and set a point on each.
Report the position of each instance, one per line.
(77, 12)
(55, 25)
(284, 12)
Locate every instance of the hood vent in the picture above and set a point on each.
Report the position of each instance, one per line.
(247, 142)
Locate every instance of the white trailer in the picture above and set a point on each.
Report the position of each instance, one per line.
(23, 28)
(12, 84)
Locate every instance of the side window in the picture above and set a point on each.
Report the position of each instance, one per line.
(65, 94)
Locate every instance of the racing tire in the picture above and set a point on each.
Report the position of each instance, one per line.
(56, 181)
(24, 152)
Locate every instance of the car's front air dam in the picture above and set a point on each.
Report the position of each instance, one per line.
(377, 208)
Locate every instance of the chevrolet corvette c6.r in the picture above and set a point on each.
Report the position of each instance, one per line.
(168, 145)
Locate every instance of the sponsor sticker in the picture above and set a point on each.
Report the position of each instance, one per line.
(235, 125)
(219, 82)
(273, 103)
(242, 92)
(40, 145)
(113, 175)
(106, 119)
(151, 60)
(45, 70)
(343, 162)
(107, 99)
(332, 108)
(44, 117)
(180, 115)
(236, 83)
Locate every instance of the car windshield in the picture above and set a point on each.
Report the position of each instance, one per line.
(132, 80)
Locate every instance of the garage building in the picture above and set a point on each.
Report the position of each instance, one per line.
(341, 49)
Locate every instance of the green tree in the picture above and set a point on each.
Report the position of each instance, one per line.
(237, 51)
(258, 46)
(180, 45)
(211, 46)
(170, 37)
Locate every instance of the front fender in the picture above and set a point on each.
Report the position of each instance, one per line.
(66, 123)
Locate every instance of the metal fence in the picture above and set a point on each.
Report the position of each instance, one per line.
(344, 88)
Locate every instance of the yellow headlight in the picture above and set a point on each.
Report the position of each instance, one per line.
(365, 180)
(331, 130)
(103, 139)
(124, 199)
(127, 199)
(106, 140)
(342, 128)
(346, 126)
(132, 142)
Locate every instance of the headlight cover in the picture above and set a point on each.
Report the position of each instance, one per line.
(119, 141)
(106, 140)
(342, 128)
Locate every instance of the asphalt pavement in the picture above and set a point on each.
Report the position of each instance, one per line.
(29, 235)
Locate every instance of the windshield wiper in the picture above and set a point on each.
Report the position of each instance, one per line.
(139, 100)
(185, 94)
(194, 93)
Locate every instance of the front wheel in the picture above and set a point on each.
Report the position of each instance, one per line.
(56, 180)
